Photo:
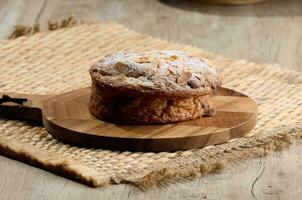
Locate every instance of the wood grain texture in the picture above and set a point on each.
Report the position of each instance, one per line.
(270, 32)
(67, 118)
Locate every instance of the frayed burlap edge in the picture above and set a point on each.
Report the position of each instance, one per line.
(65, 167)
(21, 30)
(72, 169)
(281, 139)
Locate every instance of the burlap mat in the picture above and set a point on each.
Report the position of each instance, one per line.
(58, 61)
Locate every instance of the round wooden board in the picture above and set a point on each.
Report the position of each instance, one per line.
(231, 2)
(67, 118)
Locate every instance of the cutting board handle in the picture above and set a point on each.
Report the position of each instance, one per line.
(6, 98)
(21, 107)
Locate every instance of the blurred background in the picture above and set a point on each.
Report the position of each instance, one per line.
(267, 32)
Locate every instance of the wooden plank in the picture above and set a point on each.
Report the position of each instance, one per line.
(8, 19)
(264, 33)
(19, 12)
(277, 176)
(219, 29)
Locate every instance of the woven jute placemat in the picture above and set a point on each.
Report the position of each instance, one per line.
(58, 61)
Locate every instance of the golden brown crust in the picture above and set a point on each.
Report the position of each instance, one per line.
(111, 105)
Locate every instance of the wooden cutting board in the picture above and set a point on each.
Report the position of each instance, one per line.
(231, 2)
(67, 118)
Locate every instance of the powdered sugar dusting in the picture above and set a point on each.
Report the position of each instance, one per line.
(159, 69)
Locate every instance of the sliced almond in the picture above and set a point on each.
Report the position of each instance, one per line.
(183, 78)
(171, 71)
(188, 74)
(155, 63)
(208, 62)
(173, 57)
(121, 67)
(143, 59)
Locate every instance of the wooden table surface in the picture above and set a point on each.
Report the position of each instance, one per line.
(263, 33)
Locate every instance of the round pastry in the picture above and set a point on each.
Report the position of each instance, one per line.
(152, 87)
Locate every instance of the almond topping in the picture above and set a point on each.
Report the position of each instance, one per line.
(173, 57)
(143, 59)
(121, 67)
(208, 62)
(183, 78)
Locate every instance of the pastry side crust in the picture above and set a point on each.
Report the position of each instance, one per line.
(111, 105)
